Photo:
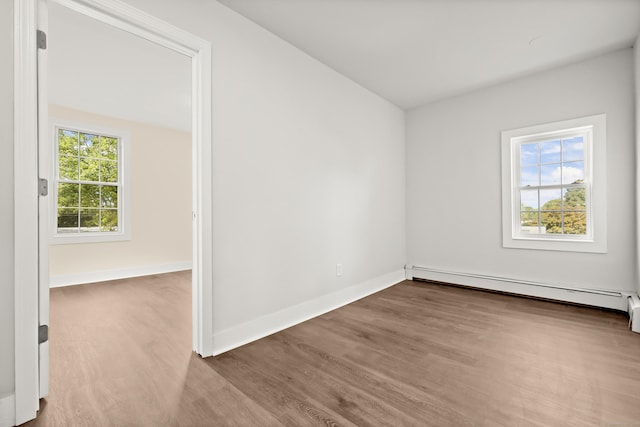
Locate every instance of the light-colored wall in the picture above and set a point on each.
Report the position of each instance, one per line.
(6, 195)
(160, 162)
(308, 171)
(454, 185)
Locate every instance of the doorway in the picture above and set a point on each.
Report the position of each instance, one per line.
(119, 152)
(31, 297)
(118, 159)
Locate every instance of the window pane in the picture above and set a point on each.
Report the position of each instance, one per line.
(573, 149)
(574, 199)
(529, 176)
(108, 148)
(575, 223)
(89, 145)
(67, 142)
(551, 200)
(573, 173)
(91, 162)
(68, 167)
(550, 152)
(89, 196)
(108, 171)
(529, 222)
(529, 200)
(89, 220)
(89, 169)
(550, 174)
(109, 197)
(68, 195)
(552, 222)
(109, 220)
(67, 220)
(529, 154)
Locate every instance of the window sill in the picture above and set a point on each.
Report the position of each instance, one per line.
(550, 244)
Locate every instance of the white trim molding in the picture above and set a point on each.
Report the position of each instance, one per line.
(594, 186)
(274, 322)
(605, 298)
(123, 184)
(26, 209)
(8, 411)
(121, 273)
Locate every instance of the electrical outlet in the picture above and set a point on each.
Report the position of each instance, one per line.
(338, 270)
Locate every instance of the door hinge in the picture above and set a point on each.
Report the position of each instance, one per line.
(42, 39)
(43, 334)
(43, 187)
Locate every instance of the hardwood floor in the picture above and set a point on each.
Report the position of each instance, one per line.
(415, 354)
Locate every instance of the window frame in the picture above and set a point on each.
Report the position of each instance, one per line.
(123, 184)
(595, 240)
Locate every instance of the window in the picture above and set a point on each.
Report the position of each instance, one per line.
(554, 186)
(89, 198)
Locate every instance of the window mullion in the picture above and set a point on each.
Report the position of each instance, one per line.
(538, 189)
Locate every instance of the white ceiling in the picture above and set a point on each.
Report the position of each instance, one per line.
(412, 52)
(97, 68)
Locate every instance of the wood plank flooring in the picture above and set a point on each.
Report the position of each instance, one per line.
(416, 354)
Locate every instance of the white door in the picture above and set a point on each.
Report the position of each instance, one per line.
(45, 175)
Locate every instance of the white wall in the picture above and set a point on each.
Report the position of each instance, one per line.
(160, 165)
(453, 175)
(308, 173)
(6, 206)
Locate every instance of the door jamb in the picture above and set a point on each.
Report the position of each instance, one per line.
(26, 264)
(25, 199)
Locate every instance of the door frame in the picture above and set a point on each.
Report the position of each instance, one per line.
(26, 199)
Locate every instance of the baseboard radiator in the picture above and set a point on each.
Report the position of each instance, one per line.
(633, 309)
(625, 301)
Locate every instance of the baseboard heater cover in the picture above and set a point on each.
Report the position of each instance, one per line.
(8, 410)
(612, 299)
(634, 313)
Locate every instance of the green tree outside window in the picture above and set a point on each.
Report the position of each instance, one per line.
(88, 182)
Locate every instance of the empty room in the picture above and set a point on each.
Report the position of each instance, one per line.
(389, 212)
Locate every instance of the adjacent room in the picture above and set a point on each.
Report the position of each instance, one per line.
(104, 81)
(397, 213)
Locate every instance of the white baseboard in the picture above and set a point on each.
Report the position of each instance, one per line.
(124, 273)
(8, 411)
(613, 299)
(271, 323)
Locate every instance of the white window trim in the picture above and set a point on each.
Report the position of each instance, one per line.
(124, 194)
(596, 241)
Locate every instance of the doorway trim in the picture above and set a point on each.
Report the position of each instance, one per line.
(26, 264)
